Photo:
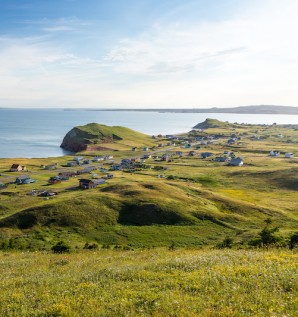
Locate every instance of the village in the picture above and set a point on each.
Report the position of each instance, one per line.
(88, 172)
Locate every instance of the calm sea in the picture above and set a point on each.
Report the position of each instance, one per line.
(39, 132)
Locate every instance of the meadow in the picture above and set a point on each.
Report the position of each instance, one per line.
(154, 282)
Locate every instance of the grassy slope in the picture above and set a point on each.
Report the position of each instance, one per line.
(121, 135)
(150, 283)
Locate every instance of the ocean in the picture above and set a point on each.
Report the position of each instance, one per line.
(32, 133)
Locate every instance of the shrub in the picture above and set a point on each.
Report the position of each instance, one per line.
(268, 236)
(61, 247)
(293, 241)
(226, 243)
(90, 246)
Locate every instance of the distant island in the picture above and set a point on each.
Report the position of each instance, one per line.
(261, 109)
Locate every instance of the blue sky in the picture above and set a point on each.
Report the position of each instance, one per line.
(148, 53)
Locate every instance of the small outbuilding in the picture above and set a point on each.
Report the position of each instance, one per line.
(236, 162)
(289, 155)
(274, 153)
(87, 183)
(17, 168)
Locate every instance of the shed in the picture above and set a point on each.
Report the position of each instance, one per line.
(17, 168)
(236, 162)
(87, 183)
(289, 155)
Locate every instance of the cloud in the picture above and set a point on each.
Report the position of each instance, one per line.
(249, 58)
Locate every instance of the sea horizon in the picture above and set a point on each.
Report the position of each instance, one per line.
(34, 133)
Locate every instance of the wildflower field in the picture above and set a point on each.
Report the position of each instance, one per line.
(154, 282)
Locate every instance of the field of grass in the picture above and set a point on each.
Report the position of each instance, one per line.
(156, 282)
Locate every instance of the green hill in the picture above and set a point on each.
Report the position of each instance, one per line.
(142, 214)
(213, 123)
(94, 136)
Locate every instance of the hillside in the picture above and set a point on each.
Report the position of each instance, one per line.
(94, 136)
(213, 123)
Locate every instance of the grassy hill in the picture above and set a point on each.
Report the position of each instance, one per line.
(213, 123)
(94, 136)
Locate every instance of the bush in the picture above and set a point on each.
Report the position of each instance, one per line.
(226, 243)
(90, 246)
(61, 247)
(294, 241)
(268, 236)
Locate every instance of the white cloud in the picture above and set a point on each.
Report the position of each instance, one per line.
(249, 59)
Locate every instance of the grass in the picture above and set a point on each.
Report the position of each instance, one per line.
(156, 282)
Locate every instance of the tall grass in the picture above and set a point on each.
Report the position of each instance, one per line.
(156, 282)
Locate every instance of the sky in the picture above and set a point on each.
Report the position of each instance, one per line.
(148, 53)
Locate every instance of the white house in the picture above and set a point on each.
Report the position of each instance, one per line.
(236, 162)
(289, 155)
(274, 153)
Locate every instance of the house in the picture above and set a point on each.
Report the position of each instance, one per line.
(71, 164)
(87, 161)
(289, 155)
(206, 154)
(24, 179)
(78, 159)
(98, 159)
(99, 181)
(221, 159)
(86, 170)
(146, 156)
(125, 161)
(134, 149)
(54, 180)
(17, 168)
(179, 153)
(48, 193)
(192, 153)
(117, 167)
(51, 167)
(236, 162)
(103, 170)
(87, 183)
(134, 159)
(274, 153)
(231, 141)
(165, 157)
(66, 175)
(145, 148)
(187, 146)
